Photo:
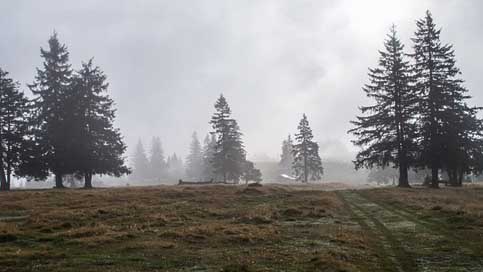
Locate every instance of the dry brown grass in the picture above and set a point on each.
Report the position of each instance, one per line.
(171, 228)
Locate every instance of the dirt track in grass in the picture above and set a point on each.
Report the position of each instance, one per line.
(239, 228)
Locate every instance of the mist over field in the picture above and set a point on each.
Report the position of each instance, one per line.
(168, 61)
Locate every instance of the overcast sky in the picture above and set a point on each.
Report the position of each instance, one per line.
(168, 61)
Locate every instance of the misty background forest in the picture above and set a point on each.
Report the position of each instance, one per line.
(60, 128)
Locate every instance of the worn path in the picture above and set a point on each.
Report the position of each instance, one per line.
(407, 243)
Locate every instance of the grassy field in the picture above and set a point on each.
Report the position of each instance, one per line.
(239, 228)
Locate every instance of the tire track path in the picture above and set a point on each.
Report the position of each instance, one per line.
(407, 244)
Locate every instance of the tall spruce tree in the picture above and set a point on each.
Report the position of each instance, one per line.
(286, 159)
(307, 163)
(13, 128)
(386, 129)
(140, 164)
(194, 161)
(157, 165)
(53, 103)
(229, 155)
(448, 127)
(100, 144)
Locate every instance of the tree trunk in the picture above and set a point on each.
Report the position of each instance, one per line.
(3, 179)
(403, 176)
(434, 177)
(305, 170)
(460, 178)
(88, 180)
(58, 181)
(453, 177)
(9, 179)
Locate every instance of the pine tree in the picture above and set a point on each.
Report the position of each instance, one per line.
(386, 129)
(250, 173)
(307, 164)
(157, 163)
(52, 91)
(229, 154)
(13, 128)
(286, 159)
(140, 163)
(209, 148)
(447, 125)
(100, 145)
(194, 161)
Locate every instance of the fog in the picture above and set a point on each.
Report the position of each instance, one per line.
(168, 61)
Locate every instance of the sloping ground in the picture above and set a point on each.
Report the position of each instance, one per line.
(235, 228)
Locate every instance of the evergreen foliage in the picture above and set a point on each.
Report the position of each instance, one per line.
(100, 147)
(286, 159)
(209, 148)
(386, 130)
(13, 129)
(194, 161)
(307, 163)
(450, 133)
(53, 110)
(229, 155)
(140, 164)
(157, 164)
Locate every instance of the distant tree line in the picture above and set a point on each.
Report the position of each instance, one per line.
(221, 157)
(420, 117)
(153, 166)
(65, 129)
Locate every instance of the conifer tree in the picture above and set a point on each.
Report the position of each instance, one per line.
(13, 128)
(194, 161)
(100, 144)
(286, 159)
(229, 154)
(140, 164)
(209, 146)
(307, 163)
(386, 129)
(448, 126)
(53, 119)
(157, 164)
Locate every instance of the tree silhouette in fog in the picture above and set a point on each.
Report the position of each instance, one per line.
(307, 164)
(387, 131)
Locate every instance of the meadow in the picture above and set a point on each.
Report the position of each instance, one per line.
(242, 228)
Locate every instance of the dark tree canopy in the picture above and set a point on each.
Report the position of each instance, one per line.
(386, 130)
(449, 129)
(53, 109)
(307, 164)
(13, 129)
(100, 144)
